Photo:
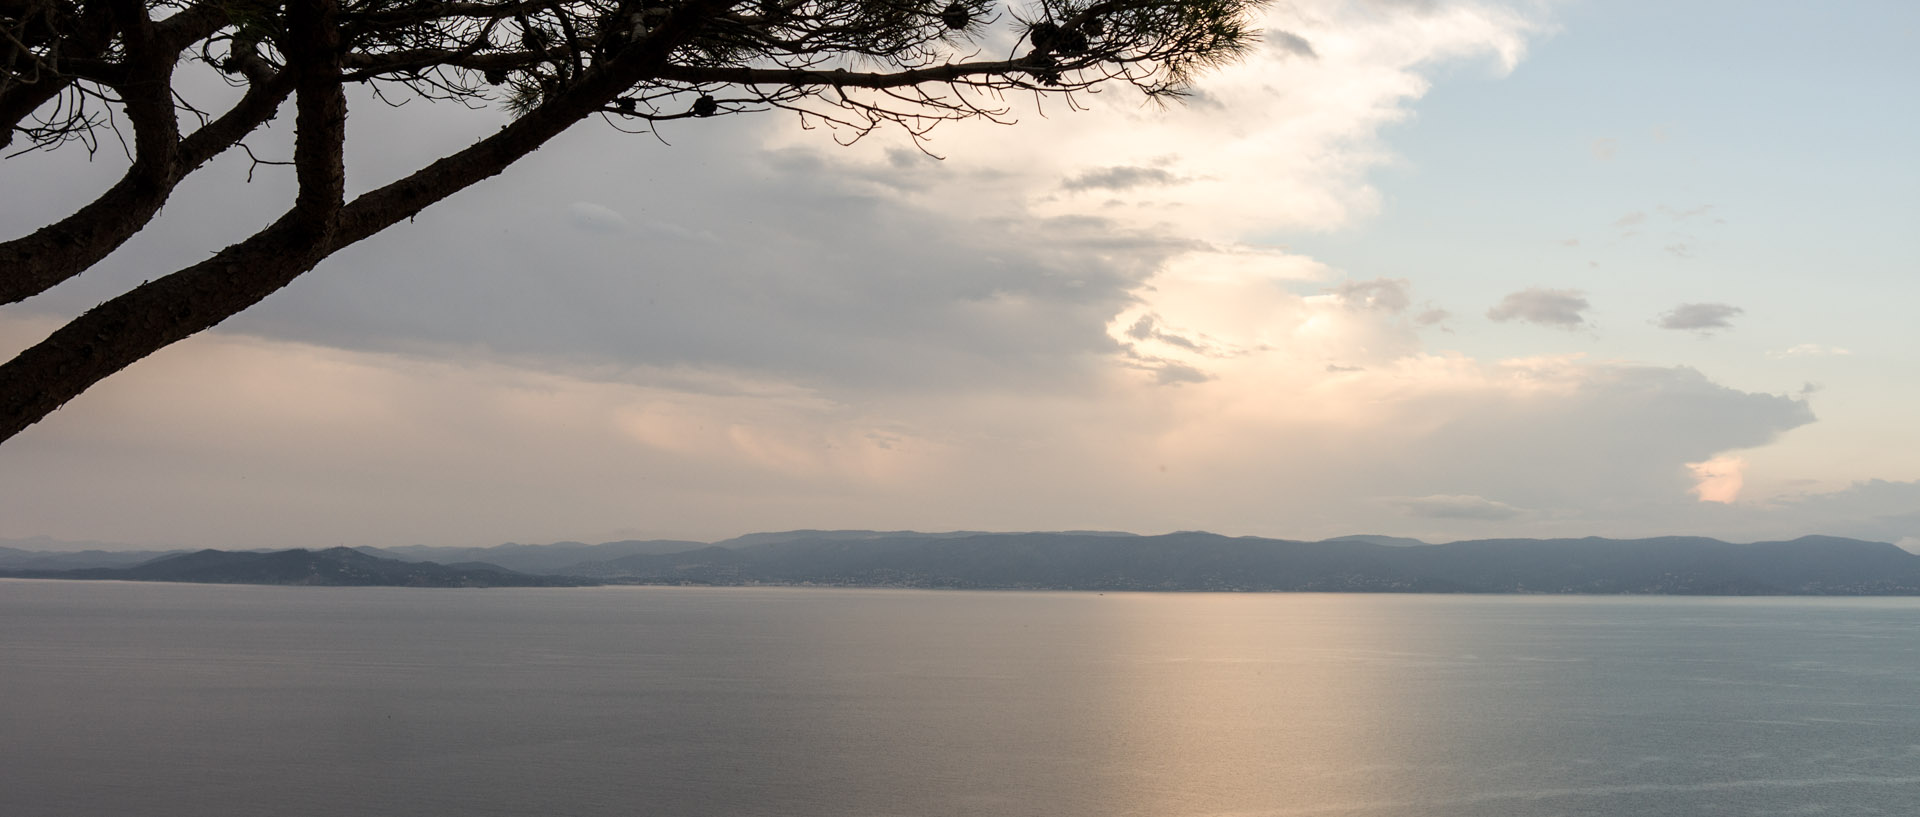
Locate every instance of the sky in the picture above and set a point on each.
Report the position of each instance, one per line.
(1435, 269)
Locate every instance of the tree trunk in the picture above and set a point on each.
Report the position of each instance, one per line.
(113, 335)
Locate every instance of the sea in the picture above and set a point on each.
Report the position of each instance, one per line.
(215, 701)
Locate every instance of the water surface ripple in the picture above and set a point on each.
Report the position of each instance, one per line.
(119, 698)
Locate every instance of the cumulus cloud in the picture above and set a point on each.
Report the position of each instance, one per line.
(1447, 506)
(1290, 43)
(1630, 220)
(1701, 317)
(1123, 177)
(1605, 149)
(1560, 308)
(1385, 294)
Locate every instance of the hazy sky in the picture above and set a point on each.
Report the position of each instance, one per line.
(1437, 269)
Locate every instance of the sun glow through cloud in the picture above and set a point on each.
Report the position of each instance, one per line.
(1718, 479)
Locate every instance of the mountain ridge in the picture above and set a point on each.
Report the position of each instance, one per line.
(332, 567)
(1088, 560)
(1196, 560)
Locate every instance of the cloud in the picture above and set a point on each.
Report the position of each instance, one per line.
(1679, 250)
(1384, 294)
(595, 218)
(1431, 317)
(1320, 388)
(1548, 307)
(1445, 506)
(483, 450)
(416, 449)
(1298, 136)
(902, 158)
(1810, 350)
(1174, 374)
(1604, 149)
(1875, 510)
(1701, 317)
(1290, 43)
(775, 263)
(1718, 479)
(1147, 328)
(1121, 178)
(1633, 219)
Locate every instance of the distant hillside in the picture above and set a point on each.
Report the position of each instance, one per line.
(546, 559)
(1204, 561)
(332, 567)
(1089, 560)
(572, 558)
(837, 536)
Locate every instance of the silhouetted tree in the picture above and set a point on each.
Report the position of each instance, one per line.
(72, 71)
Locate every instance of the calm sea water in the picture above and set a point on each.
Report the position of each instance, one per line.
(208, 701)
